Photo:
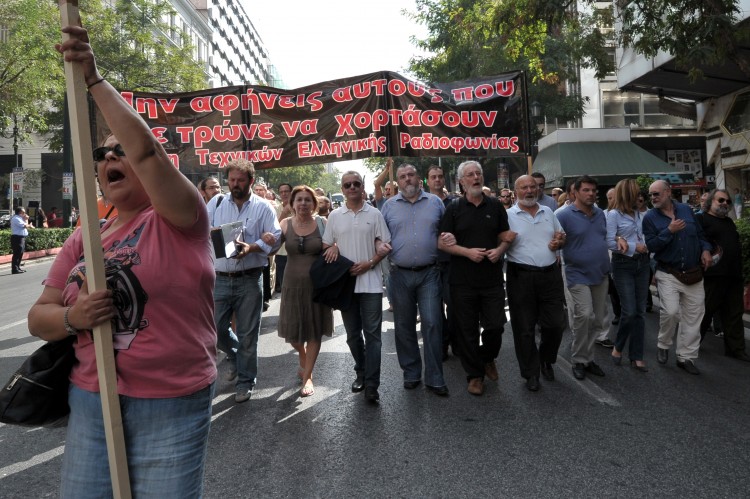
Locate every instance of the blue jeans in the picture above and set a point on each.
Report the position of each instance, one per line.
(365, 316)
(631, 276)
(243, 297)
(422, 289)
(165, 441)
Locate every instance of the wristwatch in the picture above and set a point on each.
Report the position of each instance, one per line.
(70, 329)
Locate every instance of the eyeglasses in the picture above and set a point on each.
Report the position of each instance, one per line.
(357, 184)
(301, 244)
(100, 153)
(723, 200)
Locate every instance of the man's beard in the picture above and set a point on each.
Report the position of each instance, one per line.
(239, 193)
(722, 210)
(527, 202)
(410, 190)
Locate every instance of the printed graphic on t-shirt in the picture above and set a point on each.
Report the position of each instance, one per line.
(128, 295)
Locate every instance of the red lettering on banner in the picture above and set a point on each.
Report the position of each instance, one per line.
(168, 105)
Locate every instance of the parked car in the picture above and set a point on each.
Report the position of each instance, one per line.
(4, 219)
(337, 199)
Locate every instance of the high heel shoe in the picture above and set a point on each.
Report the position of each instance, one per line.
(616, 360)
(642, 368)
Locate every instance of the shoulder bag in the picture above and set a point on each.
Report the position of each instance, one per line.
(37, 393)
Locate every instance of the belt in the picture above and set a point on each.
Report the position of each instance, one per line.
(239, 273)
(416, 269)
(634, 257)
(532, 268)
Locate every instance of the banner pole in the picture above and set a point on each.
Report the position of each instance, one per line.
(94, 257)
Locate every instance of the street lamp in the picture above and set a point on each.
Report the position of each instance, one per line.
(535, 111)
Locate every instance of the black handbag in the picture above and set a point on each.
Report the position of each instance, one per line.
(37, 394)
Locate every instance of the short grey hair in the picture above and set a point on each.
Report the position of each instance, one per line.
(464, 165)
(352, 172)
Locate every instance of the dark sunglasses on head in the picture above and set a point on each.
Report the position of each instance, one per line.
(101, 152)
(723, 200)
(356, 184)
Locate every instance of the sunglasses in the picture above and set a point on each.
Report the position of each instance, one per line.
(301, 244)
(723, 200)
(100, 153)
(357, 184)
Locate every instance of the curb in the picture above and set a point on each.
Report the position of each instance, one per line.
(30, 255)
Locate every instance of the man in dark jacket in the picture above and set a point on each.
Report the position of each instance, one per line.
(723, 282)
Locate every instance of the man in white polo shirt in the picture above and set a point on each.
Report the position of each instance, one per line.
(353, 231)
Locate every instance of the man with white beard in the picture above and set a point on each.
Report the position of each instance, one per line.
(480, 226)
(681, 252)
(535, 285)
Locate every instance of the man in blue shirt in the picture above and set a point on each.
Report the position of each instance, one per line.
(413, 218)
(239, 280)
(586, 272)
(676, 238)
(19, 225)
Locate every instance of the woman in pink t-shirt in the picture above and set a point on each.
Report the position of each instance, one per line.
(159, 300)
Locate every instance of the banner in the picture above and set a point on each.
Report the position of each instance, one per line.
(67, 185)
(18, 180)
(377, 114)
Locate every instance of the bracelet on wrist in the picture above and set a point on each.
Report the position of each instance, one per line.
(88, 87)
(70, 329)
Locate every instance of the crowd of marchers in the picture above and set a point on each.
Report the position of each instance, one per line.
(447, 262)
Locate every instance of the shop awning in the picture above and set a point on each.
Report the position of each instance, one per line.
(607, 162)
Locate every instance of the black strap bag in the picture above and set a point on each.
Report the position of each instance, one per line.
(37, 394)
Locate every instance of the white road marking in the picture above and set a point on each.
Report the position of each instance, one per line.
(24, 465)
(14, 324)
(587, 385)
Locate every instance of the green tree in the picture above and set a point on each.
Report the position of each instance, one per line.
(30, 69)
(547, 38)
(136, 49)
(696, 32)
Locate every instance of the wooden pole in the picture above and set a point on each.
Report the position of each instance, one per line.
(92, 250)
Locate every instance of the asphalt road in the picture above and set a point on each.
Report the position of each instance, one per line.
(664, 433)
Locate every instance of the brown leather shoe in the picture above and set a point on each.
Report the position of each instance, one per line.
(490, 370)
(476, 386)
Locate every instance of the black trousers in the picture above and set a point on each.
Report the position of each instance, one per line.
(17, 245)
(471, 306)
(724, 298)
(448, 320)
(535, 298)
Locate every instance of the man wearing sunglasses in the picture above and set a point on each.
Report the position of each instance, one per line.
(723, 281)
(506, 197)
(357, 231)
(680, 248)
